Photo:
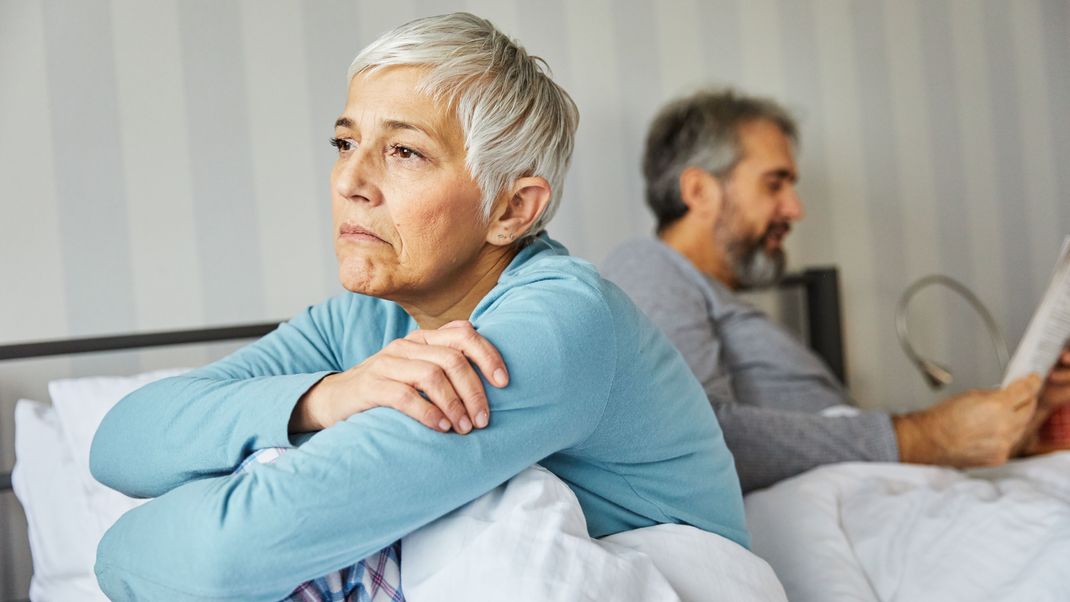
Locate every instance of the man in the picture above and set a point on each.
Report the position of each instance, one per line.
(720, 178)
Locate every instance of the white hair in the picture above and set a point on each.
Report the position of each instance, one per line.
(516, 121)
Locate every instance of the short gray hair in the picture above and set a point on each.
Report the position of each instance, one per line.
(516, 121)
(701, 130)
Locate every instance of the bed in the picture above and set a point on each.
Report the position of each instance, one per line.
(67, 511)
(890, 532)
(525, 540)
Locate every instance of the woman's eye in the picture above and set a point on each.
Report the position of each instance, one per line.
(404, 152)
(343, 145)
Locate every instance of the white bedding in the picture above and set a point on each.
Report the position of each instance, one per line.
(899, 532)
(526, 540)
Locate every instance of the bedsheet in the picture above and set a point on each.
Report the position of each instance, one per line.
(866, 531)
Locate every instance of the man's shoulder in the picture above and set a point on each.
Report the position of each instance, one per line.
(652, 273)
(642, 255)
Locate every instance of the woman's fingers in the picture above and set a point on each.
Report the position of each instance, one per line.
(408, 365)
(462, 336)
(464, 384)
(408, 401)
(437, 367)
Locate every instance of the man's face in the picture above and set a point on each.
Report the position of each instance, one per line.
(760, 204)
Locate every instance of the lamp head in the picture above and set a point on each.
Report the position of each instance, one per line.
(936, 375)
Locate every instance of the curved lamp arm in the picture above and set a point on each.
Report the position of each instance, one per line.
(938, 376)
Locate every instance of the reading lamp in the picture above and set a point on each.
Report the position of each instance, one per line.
(936, 375)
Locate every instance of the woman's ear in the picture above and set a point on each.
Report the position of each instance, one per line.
(527, 200)
(702, 193)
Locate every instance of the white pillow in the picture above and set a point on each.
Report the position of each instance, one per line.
(527, 541)
(81, 404)
(47, 483)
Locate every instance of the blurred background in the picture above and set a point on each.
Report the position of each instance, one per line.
(164, 164)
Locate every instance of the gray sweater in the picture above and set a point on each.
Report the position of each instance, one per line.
(766, 387)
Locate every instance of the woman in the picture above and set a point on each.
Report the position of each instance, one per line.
(452, 149)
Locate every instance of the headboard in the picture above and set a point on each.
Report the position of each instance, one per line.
(821, 287)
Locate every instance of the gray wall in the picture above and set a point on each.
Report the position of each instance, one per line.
(164, 164)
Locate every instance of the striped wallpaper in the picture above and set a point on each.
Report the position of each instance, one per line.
(164, 164)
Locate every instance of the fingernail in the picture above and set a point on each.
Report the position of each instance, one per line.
(444, 425)
(500, 378)
(466, 425)
(481, 419)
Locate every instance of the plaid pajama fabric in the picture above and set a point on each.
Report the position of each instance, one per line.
(377, 578)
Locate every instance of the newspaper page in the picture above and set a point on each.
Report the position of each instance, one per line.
(1049, 329)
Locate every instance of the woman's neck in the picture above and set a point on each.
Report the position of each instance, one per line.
(459, 299)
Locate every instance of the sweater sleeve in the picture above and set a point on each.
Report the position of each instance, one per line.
(205, 422)
(358, 486)
(770, 445)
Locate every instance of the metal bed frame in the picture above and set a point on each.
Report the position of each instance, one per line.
(125, 343)
(821, 288)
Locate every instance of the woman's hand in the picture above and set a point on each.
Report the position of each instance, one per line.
(434, 363)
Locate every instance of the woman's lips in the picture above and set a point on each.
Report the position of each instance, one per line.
(354, 232)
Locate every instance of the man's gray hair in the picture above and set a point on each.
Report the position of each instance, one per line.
(516, 121)
(701, 130)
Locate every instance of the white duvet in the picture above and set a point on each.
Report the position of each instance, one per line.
(912, 533)
(527, 541)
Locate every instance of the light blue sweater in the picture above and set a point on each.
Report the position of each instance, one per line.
(596, 395)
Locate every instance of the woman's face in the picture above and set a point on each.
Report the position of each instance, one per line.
(407, 214)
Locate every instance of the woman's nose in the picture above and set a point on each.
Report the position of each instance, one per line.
(355, 176)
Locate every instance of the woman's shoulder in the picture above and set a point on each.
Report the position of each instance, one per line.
(545, 274)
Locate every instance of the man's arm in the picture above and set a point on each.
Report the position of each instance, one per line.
(365, 482)
(771, 445)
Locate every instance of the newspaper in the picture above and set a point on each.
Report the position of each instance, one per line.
(1049, 329)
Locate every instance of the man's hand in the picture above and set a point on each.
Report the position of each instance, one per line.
(426, 376)
(976, 428)
(1054, 395)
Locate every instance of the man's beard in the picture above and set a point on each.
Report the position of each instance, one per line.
(758, 268)
(752, 266)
